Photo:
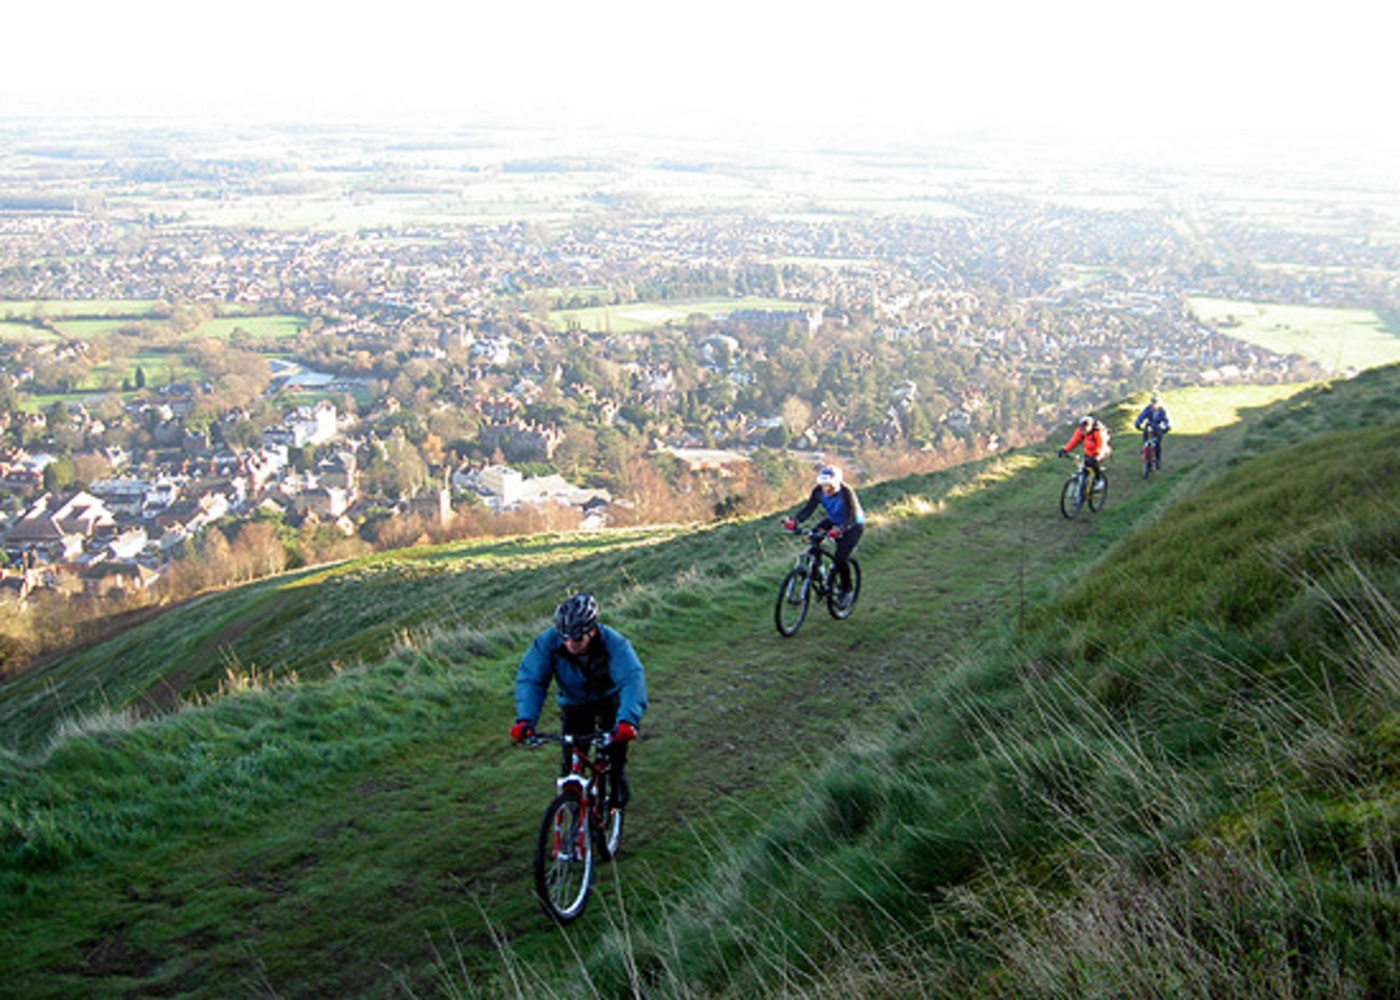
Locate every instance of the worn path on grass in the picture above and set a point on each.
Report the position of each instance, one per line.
(741, 718)
(423, 857)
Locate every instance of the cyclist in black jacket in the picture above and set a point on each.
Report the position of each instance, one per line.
(844, 522)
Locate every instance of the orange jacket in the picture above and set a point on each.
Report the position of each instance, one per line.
(1094, 443)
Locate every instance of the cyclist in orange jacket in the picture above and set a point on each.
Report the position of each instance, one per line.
(1091, 431)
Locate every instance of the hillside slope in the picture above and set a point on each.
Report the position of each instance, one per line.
(344, 817)
(1180, 777)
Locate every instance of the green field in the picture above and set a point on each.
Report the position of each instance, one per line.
(55, 308)
(23, 333)
(161, 367)
(1337, 339)
(638, 316)
(269, 328)
(83, 319)
(99, 318)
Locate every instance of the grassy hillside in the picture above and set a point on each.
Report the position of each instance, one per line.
(961, 788)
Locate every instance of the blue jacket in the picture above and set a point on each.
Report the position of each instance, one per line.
(1154, 417)
(842, 508)
(610, 668)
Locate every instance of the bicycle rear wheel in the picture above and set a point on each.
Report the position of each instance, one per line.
(793, 598)
(564, 859)
(833, 605)
(1098, 492)
(1071, 497)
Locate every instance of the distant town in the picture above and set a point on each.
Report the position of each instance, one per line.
(185, 404)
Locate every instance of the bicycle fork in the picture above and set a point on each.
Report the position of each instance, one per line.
(571, 832)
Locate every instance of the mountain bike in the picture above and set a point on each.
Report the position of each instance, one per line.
(1084, 487)
(579, 829)
(1151, 450)
(814, 573)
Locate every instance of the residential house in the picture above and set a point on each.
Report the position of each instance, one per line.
(164, 492)
(15, 588)
(328, 503)
(113, 579)
(25, 476)
(59, 532)
(432, 504)
(500, 484)
(341, 471)
(123, 497)
(187, 517)
(307, 425)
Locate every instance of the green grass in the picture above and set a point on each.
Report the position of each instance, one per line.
(24, 333)
(1337, 339)
(96, 318)
(636, 316)
(58, 308)
(1016, 769)
(268, 328)
(161, 367)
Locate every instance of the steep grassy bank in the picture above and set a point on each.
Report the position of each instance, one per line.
(346, 819)
(1181, 777)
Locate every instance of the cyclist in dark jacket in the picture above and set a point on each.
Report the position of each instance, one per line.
(844, 522)
(601, 684)
(1153, 418)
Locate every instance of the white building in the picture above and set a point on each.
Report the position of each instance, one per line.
(122, 496)
(504, 485)
(306, 425)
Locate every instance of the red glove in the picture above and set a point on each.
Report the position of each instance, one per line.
(625, 731)
(833, 533)
(522, 730)
(789, 525)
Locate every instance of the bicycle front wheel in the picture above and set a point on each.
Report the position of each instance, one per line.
(1071, 497)
(564, 859)
(1098, 493)
(793, 598)
(833, 603)
(610, 834)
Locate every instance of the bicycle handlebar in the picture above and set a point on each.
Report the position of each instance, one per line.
(598, 740)
(811, 534)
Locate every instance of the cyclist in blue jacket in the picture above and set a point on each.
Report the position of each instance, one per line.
(1153, 419)
(844, 522)
(601, 684)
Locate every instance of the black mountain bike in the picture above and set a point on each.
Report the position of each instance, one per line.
(1151, 451)
(814, 573)
(579, 828)
(1084, 487)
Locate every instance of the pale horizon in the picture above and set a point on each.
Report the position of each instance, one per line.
(756, 71)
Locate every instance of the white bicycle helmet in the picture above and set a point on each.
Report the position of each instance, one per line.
(829, 475)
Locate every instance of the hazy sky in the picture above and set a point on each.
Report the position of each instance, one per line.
(1129, 67)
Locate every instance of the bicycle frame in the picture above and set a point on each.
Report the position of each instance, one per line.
(1151, 450)
(587, 776)
(577, 826)
(815, 563)
(813, 573)
(1084, 487)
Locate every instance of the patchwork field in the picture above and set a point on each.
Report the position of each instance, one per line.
(1337, 339)
(648, 315)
